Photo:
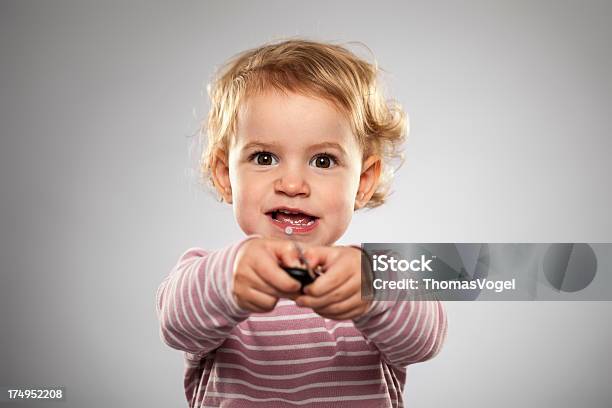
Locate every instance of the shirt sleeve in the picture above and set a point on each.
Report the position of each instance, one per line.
(404, 331)
(195, 304)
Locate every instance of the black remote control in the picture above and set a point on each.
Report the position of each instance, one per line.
(299, 274)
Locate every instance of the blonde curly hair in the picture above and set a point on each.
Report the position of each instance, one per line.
(310, 68)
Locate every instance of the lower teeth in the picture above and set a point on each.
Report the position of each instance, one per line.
(297, 224)
(294, 223)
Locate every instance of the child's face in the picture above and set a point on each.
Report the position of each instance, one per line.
(296, 153)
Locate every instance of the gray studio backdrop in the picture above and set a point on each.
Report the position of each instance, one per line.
(510, 107)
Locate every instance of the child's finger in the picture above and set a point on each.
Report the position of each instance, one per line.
(287, 253)
(341, 307)
(259, 284)
(341, 293)
(262, 302)
(320, 255)
(250, 306)
(330, 281)
(270, 272)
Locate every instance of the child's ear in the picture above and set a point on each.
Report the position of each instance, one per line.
(220, 174)
(368, 181)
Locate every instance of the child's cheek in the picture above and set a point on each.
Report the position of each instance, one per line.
(249, 219)
(339, 208)
(246, 197)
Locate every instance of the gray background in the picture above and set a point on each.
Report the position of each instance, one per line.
(510, 106)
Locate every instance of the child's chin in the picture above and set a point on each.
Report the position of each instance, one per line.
(311, 238)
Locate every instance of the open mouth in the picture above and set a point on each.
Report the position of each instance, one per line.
(292, 218)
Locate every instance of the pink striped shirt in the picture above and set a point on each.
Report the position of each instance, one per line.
(290, 356)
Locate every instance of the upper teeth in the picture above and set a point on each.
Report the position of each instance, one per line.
(288, 212)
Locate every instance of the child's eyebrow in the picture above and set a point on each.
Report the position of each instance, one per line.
(332, 145)
(318, 146)
(262, 145)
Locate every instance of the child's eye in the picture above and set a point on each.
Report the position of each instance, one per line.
(263, 158)
(324, 161)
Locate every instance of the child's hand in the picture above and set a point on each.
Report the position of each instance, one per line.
(258, 280)
(336, 294)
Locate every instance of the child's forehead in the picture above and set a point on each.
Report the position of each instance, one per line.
(275, 117)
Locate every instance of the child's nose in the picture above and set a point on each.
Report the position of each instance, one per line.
(292, 183)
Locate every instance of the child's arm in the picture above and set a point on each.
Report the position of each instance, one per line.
(208, 293)
(195, 305)
(405, 332)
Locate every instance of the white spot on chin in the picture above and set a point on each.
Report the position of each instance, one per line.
(288, 230)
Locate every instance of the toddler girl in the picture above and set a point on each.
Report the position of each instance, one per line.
(299, 136)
